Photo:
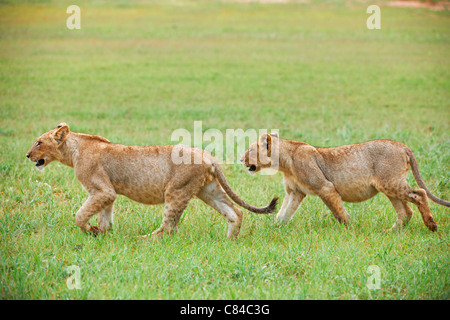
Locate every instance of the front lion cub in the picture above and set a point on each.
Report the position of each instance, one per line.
(144, 174)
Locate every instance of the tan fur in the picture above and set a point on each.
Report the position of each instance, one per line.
(351, 173)
(144, 174)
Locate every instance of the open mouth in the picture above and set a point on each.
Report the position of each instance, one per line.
(40, 162)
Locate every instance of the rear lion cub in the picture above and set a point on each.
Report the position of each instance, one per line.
(351, 173)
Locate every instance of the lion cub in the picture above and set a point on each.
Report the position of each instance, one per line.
(351, 173)
(144, 174)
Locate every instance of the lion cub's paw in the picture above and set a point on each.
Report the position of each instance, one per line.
(431, 224)
(94, 230)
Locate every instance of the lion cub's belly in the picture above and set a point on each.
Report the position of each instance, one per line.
(350, 191)
(355, 191)
(353, 179)
(155, 197)
(145, 186)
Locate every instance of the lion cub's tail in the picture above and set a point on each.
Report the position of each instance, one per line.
(224, 183)
(416, 173)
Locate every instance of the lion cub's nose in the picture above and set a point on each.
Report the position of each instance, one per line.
(28, 155)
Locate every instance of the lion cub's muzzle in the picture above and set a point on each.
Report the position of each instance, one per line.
(251, 168)
(40, 163)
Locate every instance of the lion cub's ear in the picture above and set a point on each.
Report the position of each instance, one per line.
(62, 124)
(266, 142)
(274, 134)
(61, 132)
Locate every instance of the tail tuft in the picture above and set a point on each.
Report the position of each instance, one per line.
(223, 182)
(419, 180)
(272, 206)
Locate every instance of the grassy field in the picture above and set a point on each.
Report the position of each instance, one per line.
(135, 72)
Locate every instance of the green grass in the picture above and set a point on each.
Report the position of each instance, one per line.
(135, 72)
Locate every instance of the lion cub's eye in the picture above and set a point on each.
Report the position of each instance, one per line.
(38, 143)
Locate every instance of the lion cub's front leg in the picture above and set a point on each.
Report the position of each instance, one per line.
(291, 202)
(333, 201)
(95, 203)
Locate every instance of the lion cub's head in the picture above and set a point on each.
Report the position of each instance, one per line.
(46, 148)
(262, 153)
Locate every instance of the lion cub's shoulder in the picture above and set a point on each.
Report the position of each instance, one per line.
(94, 138)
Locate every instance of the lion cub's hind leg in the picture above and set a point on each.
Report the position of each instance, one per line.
(177, 196)
(404, 213)
(174, 206)
(401, 190)
(213, 195)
